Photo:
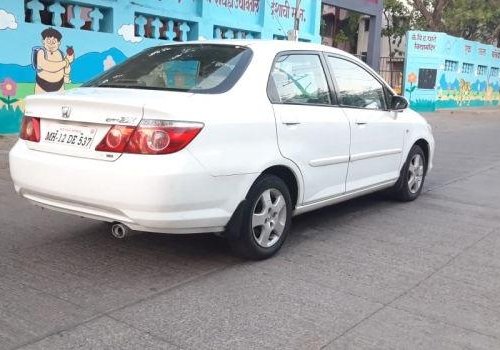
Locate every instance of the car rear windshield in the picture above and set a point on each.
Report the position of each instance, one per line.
(197, 68)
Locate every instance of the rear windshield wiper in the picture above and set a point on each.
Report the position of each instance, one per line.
(124, 86)
(143, 87)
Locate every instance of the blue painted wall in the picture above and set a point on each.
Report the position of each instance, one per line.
(103, 33)
(443, 71)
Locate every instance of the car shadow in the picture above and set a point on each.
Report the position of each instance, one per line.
(211, 246)
(90, 268)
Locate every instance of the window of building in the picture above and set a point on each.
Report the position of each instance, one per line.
(299, 79)
(68, 15)
(482, 70)
(357, 87)
(450, 66)
(163, 28)
(467, 68)
(494, 72)
(233, 33)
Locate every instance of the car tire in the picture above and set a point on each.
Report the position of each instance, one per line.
(412, 177)
(265, 220)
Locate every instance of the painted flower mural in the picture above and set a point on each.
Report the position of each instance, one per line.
(9, 90)
(10, 117)
(412, 79)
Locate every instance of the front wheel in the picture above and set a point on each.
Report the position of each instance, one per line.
(412, 177)
(266, 218)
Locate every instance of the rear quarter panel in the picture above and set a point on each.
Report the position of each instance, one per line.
(239, 134)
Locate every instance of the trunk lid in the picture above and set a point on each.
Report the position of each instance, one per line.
(73, 123)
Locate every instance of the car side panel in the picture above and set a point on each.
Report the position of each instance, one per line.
(236, 139)
(417, 129)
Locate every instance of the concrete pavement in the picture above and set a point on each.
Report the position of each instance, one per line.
(369, 273)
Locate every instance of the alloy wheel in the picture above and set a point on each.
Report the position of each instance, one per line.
(415, 173)
(269, 217)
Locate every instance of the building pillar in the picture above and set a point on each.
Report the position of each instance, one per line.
(374, 40)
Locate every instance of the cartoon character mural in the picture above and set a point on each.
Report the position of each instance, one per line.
(489, 95)
(51, 65)
(464, 93)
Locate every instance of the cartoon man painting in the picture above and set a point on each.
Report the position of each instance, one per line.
(51, 66)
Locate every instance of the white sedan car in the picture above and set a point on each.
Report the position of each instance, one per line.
(230, 137)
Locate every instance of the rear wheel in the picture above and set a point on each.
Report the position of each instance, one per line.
(412, 177)
(266, 218)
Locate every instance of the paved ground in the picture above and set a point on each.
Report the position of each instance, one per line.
(366, 274)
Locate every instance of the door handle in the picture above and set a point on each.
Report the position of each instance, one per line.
(361, 123)
(291, 123)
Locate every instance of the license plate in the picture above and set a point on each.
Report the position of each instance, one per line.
(69, 135)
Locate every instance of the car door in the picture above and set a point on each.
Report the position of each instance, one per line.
(377, 135)
(312, 132)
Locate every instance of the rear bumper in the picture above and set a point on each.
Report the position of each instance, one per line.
(171, 193)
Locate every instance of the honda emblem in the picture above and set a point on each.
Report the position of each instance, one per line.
(66, 112)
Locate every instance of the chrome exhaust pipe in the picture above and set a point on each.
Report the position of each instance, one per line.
(120, 231)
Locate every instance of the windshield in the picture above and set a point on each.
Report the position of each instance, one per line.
(196, 68)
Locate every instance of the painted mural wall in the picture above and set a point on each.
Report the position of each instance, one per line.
(53, 45)
(442, 71)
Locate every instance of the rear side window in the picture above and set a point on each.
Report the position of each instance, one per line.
(299, 79)
(356, 87)
(191, 68)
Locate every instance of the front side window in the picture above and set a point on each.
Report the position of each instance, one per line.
(356, 87)
(299, 79)
(192, 68)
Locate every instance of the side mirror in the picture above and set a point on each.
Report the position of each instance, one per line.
(399, 103)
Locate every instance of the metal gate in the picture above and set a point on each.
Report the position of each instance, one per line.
(391, 69)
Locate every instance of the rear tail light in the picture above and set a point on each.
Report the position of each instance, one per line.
(162, 137)
(116, 139)
(150, 137)
(30, 129)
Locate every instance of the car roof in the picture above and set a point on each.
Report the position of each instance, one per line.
(270, 45)
(273, 47)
